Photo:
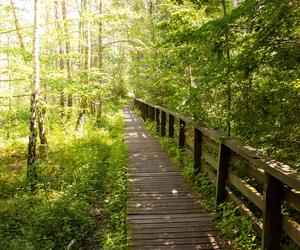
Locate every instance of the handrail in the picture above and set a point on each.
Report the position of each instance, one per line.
(218, 155)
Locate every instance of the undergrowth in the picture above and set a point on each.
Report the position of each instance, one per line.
(80, 199)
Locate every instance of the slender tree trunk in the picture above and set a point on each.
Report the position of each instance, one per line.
(61, 52)
(100, 60)
(42, 133)
(229, 90)
(10, 91)
(19, 35)
(87, 63)
(100, 52)
(88, 51)
(31, 158)
(68, 49)
(42, 109)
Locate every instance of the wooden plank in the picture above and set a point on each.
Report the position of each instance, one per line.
(171, 201)
(168, 205)
(292, 197)
(168, 221)
(253, 171)
(204, 228)
(160, 211)
(171, 126)
(178, 247)
(292, 229)
(279, 170)
(160, 225)
(180, 241)
(211, 160)
(169, 217)
(250, 192)
(212, 144)
(173, 235)
(154, 174)
(208, 132)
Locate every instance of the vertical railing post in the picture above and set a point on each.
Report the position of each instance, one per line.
(181, 142)
(163, 124)
(272, 217)
(144, 111)
(157, 114)
(171, 126)
(147, 111)
(152, 114)
(223, 162)
(197, 150)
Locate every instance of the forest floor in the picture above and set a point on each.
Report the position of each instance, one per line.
(80, 196)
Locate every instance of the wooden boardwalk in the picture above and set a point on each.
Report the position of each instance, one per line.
(161, 213)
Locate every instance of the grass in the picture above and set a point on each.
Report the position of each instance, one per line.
(80, 198)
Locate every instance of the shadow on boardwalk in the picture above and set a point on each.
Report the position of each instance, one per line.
(161, 213)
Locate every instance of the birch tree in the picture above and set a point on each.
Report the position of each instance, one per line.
(31, 158)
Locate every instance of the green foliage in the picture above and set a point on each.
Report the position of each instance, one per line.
(236, 227)
(186, 68)
(78, 174)
(114, 230)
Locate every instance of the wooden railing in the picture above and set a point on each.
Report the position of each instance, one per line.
(239, 172)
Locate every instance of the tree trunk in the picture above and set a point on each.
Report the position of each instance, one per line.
(31, 158)
(42, 132)
(19, 35)
(10, 91)
(68, 49)
(61, 61)
(87, 62)
(228, 83)
(100, 52)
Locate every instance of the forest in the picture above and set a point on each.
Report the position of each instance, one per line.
(68, 67)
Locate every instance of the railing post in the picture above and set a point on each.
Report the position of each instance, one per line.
(197, 150)
(171, 126)
(223, 162)
(272, 217)
(152, 114)
(157, 114)
(181, 142)
(147, 111)
(163, 124)
(144, 111)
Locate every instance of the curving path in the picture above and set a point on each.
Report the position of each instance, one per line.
(161, 212)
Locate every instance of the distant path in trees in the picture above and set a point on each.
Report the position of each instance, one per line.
(161, 213)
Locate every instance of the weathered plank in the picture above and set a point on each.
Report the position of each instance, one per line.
(161, 209)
